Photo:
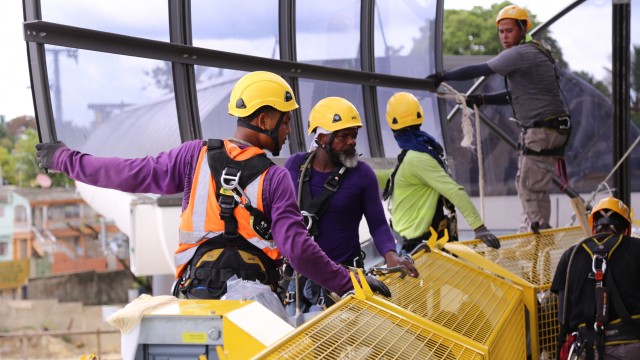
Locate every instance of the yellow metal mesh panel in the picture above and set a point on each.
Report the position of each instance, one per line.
(464, 299)
(531, 257)
(357, 329)
(548, 326)
(534, 258)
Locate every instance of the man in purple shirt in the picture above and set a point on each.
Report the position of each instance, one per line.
(262, 101)
(335, 190)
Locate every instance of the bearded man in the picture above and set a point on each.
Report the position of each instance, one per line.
(335, 190)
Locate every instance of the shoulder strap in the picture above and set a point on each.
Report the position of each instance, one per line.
(604, 248)
(388, 187)
(314, 208)
(538, 45)
(227, 174)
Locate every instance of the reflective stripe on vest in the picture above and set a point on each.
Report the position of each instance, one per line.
(201, 218)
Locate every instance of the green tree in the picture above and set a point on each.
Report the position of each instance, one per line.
(598, 84)
(473, 32)
(23, 166)
(20, 166)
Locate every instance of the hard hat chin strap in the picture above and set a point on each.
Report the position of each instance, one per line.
(273, 133)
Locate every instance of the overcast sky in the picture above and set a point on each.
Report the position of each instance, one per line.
(15, 95)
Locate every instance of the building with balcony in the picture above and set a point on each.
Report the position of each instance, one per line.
(58, 233)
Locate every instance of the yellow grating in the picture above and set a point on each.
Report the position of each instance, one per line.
(548, 326)
(534, 258)
(358, 329)
(531, 257)
(461, 298)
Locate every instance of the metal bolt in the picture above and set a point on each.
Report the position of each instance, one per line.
(214, 333)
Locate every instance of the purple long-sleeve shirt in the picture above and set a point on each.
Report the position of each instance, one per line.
(172, 172)
(358, 195)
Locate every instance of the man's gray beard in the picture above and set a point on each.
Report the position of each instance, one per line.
(349, 161)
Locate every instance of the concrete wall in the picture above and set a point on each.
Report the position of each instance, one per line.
(88, 288)
(50, 315)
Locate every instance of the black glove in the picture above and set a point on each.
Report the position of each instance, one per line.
(45, 151)
(487, 237)
(474, 100)
(436, 78)
(378, 286)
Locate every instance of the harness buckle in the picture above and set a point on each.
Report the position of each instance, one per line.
(564, 123)
(309, 218)
(230, 182)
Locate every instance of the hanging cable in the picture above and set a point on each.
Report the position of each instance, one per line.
(468, 134)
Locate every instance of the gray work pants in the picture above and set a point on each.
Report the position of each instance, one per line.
(535, 176)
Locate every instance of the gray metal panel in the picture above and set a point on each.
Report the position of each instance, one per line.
(157, 329)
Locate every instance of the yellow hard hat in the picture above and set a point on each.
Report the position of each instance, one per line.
(260, 88)
(333, 114)
(612, 204)
(513, 12)
(403, 109)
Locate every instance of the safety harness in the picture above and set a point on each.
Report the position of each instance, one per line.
(440, 220)
(313, 208)
(604, 331)
(561, 123)
(229, 253)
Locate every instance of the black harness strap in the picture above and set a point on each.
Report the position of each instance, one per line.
(388, 187)
(314, 208)
(438, 217)
(227, 174)
(606, 293)
(229, 253)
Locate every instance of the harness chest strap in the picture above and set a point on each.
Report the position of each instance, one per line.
(604, 331)
(314, 207)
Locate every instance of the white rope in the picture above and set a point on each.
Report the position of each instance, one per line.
(467, 131)
(604, 184)
(465, 123)
(480, 160)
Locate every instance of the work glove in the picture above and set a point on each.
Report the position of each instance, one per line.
(487, 237)
(45, 152)
(436, 78)
(474, 100)
(378, 286)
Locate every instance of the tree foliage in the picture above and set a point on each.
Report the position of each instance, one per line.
(474, 32)
(18, 162)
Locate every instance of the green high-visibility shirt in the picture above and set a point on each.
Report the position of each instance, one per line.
(419, 182)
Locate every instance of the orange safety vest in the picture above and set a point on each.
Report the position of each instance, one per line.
(201, 221)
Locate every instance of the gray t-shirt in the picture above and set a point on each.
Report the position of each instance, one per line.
(535, 94)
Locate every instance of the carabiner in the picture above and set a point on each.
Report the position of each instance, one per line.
(603, 268)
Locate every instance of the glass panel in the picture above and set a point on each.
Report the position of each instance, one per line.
(213, 99)
(112, 105)
(430, 125)
(405, 37)
(248, 27)
(141, 18)
(312, 91)
(328, 33)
